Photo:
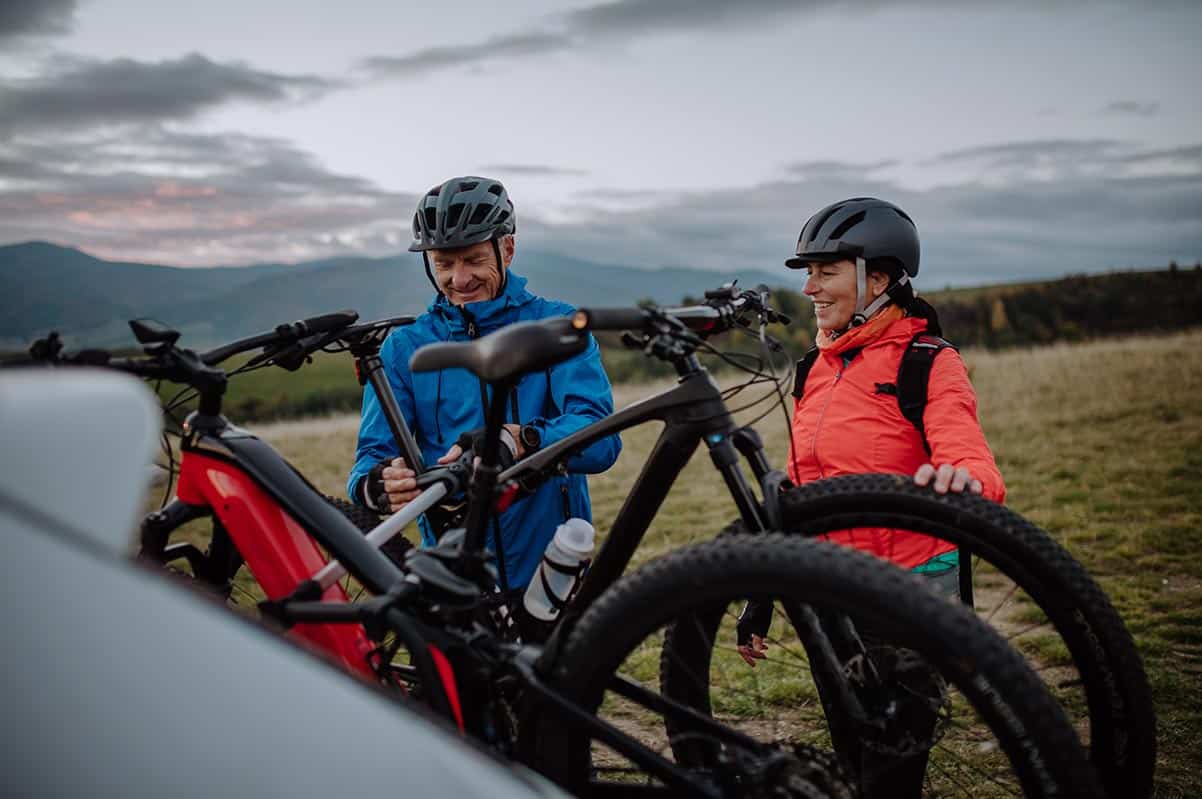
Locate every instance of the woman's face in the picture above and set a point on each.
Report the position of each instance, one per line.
(832, 289)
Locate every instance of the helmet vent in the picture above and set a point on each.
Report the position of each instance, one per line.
(847, 225)
(479, 214)
(453, 214)
(495, 189)
(431, 215)
(469, 185)
(501, 217)
(818, 223)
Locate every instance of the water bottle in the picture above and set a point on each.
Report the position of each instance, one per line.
(566, 558)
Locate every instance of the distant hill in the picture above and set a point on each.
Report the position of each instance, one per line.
(45, 287)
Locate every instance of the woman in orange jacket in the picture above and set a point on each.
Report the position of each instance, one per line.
(860, 256)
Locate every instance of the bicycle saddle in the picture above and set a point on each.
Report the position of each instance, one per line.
(508, 353)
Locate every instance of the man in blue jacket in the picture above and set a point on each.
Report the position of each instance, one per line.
(464, 229)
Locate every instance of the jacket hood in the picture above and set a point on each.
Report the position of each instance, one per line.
(488, 314)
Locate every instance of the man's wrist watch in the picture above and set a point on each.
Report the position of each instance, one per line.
(530, 437)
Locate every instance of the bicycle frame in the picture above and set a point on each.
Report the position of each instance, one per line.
(280, 552)
(693, 411)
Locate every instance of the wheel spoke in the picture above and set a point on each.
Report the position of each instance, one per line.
(1009, 594)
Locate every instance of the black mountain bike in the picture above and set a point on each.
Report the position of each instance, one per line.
(937, 672)
(1027, 586)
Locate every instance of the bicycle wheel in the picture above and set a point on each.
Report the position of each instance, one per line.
(942, 680)
(1027, 587)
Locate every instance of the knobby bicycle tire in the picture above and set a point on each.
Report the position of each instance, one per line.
(1030, 727)
(1121, 720)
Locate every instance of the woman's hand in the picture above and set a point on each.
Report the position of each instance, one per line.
(753, 651)
(947, 477)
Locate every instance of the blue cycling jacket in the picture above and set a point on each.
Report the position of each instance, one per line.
(438, 406)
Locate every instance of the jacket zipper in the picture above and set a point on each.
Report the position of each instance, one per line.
(472, 334)
(821, 416)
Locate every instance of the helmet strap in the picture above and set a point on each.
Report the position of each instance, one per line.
(496, 248)
(865, 312)
(429, 274)
(861, 313)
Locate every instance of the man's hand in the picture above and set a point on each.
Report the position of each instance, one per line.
(947, 477)
(400, 484)
(753, 651)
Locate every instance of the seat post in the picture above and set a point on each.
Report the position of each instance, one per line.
(484, 475)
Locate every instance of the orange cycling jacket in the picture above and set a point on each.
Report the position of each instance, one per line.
(845, 424)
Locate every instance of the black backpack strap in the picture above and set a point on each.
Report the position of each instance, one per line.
(914, 374)
(803, 371)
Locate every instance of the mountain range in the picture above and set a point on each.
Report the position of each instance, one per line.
(46, 287)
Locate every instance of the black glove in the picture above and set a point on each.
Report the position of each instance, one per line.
(371, 488)
(473, 441)
(755, 619)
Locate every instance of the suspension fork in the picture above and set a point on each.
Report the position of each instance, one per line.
(830, 640)
(726, 460)
(748, 442)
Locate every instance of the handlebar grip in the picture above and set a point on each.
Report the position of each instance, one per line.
(611, 318)
(319, 324)
(92, 358)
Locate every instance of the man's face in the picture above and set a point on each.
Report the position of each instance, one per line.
(470, 274)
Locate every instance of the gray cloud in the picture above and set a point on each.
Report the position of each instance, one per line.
(435, 58)
(79, 92)
(248, 199)
(533, 170)
(20, 18)
(1027, 153)
(160, 195)
(838, 168)
(1189, 157)
(621, 19)
(1065, 159)
(1132, 108)
(631, 19)
(638, 17)
(978, 231)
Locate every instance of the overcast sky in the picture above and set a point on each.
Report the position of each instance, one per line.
(1026, 141)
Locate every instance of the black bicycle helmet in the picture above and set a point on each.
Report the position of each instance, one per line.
(461, 212)
(862, 227)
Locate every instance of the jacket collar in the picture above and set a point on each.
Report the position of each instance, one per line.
(899, 330)
(488, 314)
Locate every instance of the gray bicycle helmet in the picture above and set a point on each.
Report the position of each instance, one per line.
(862, 227)
(877, 236)
(461, 212)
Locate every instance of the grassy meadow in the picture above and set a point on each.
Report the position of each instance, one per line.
(1100, 443)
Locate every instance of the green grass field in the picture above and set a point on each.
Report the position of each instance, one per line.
(1100, 443)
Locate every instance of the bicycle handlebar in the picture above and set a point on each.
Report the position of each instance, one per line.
(611, 318)
(285, 333)
(725, 306)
